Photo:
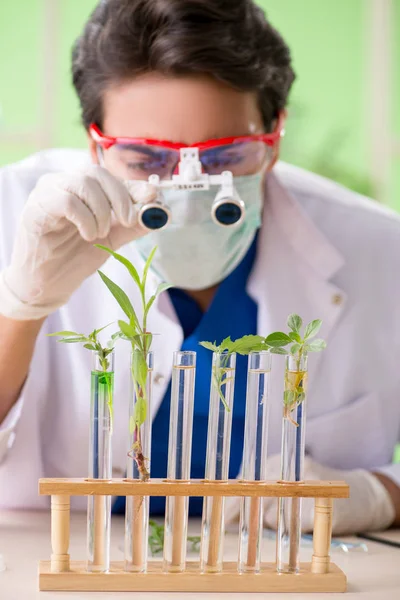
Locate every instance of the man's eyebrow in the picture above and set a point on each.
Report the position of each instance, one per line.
(147, 150)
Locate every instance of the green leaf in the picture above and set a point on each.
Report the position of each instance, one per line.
(147, 266)
(72, 340)
(278, 351)
(65, 334)
(294, 323)
(247, 344)
(124, 261)
(119, 295)
(149, 305)
(127, 329)
(139, 369)
(143, 339)
(278, 339)
(301, 397)
(97, 331)
(161, 288)
(295, 348)
(315, 346)
(312, 329)
(289, 397)
(209, 346)
(225, 345)
(89, 347)
(140, 411)
(131, 424)
(295, 337)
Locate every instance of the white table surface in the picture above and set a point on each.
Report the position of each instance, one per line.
(25, 539)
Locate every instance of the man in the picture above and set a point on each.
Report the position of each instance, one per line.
(190, 71)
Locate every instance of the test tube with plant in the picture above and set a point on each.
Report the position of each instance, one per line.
(254, 459)
(100, 461)
(138, 467)
(218, 443)
(179, 458)
(293, 433)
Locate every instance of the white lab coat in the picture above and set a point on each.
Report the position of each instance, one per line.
(323, 252)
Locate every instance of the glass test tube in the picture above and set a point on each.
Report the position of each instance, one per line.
(138, 467)
(217, 459)
(100, 462)
(292, 459)
(254, 459)
(179, 459)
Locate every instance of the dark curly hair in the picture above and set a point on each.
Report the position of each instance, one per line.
(230, 40)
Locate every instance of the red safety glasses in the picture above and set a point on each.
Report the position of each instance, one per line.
(138, 158)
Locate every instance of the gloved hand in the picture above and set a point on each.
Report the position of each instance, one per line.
(65, 215)
(368, 508)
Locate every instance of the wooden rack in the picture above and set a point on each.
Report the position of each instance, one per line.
(64, 575)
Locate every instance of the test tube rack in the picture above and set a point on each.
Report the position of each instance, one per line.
(61, 574)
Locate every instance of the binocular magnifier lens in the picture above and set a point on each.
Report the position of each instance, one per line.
(228, 212)
(154, 216)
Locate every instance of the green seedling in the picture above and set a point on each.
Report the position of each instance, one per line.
(136, 332)
(220, 373)
(299, 345)
(275, 344)
(91, 342)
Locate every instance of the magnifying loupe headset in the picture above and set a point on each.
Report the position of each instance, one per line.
(170, 165)
(227, 209)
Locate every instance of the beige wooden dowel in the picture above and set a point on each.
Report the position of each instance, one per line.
(294, 534)
(254, 527)
(214, 540)
(138, 505)
(178, 543)
(322, 535)
(99, 531)
(60, 527)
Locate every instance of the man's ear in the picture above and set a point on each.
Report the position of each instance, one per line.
(93, 150)
(278, 125)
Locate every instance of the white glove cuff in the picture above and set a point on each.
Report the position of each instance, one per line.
(384, 514)
(369, 507)
(13, 308)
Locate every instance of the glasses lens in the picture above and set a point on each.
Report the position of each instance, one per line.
(140, 161)
(228, 213)
(244, 158)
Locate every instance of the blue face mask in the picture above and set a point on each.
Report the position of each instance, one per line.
(195, 253)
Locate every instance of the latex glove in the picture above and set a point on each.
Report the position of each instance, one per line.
(368, 508)
(65, 215)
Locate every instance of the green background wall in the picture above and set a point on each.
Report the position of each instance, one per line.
(328, 130)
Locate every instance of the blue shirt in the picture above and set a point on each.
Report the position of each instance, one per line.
(231, 313)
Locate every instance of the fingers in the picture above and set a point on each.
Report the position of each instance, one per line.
(50, 204)
(91, 201)
(124, 197)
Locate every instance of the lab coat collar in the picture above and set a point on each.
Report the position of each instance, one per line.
(283, 212)
(294, 267)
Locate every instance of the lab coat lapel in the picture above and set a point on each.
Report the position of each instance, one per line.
(292, 272)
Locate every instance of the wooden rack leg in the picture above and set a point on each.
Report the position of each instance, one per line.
(215, 533)
(178, 551)
(99, 531)
(137, 532)
(60, 520)
(254, 525)
(322, 535)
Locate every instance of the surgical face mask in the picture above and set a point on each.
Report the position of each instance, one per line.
(194, 252)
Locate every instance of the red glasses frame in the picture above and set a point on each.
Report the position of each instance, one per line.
(106, 142)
